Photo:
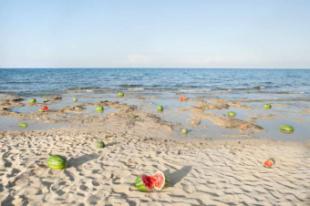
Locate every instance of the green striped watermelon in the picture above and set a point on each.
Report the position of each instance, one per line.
(56, 162)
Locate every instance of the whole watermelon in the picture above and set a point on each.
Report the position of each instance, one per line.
(56, 162)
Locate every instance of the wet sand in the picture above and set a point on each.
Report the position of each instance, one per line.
(202, 169)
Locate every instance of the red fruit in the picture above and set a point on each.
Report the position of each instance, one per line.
(149, 181)
(182, 98)
(269, 163)
(44, 108)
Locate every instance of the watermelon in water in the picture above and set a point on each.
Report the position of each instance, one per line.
(146, 183)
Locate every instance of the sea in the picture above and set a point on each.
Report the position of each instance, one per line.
(232, 83)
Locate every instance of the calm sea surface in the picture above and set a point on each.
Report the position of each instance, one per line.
(243, 83)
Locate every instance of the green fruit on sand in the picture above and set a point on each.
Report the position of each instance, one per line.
(23, 125)
(146, 183)
(56, 162)
(100, 144)
(287, 129)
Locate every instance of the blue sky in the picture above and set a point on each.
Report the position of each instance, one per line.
(160, 33)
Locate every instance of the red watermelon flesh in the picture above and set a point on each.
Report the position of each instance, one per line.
(149, 181)
(156, 181)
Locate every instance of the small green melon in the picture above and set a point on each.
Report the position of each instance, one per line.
(231, 114)
(160, 108)
(23, 125)
(287, 129)
(99, 108)
(120, 94)
(100, 144)
(56, 162)
(267, 106)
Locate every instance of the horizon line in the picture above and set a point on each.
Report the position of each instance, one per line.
(131, 67)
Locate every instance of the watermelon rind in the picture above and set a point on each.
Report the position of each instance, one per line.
(163, 183)
(140, 185)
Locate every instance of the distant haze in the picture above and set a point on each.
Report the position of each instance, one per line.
(159, 33)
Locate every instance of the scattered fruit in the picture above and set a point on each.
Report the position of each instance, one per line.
(184, 131)
(160, 108)
(269, 163)
(56, 162)
(99, 108)
(23, 125)
(43, 109)
(231, 114)
(100, 144)
(287, 129)
(267, 106)
(120, 94)
(32, 101)
(182, 98)
(147, 183)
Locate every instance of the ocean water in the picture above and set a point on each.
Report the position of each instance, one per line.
(239, 83)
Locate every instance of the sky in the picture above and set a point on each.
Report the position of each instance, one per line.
(159, 33)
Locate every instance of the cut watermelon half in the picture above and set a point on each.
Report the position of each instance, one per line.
(147, 183)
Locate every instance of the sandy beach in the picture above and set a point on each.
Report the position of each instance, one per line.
(200, 171)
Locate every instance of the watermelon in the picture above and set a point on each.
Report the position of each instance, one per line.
(184, 131)
(287, 129)
(182, 98)
(120, 94)
(100, 144)
(269, 163)
(231, 114)
(99, 108)
(74, 99)
(56, 162)
(146, 183)
(160, 108)
(44, 109)
(267, 106)
(32, 101)
(23, 125)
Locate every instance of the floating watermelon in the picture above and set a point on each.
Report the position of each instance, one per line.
(120, 94)
(160, 108)
(23, 125)
(56, 162)
(182, 98)
(147, 183)
(231, 114)
(99, 108)
(287, 129)
(184, 131)
(267, 106)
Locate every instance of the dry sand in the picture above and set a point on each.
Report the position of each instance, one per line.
(200, 172)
